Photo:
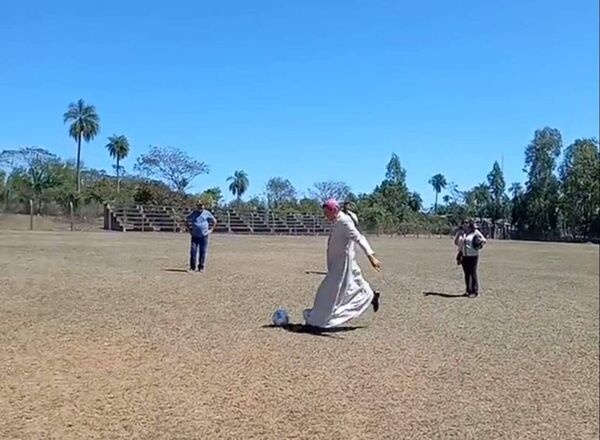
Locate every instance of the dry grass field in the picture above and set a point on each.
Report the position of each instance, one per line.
(103, 337)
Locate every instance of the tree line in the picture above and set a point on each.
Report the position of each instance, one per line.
(558, 199)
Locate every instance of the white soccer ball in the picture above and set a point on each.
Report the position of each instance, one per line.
(280, 317)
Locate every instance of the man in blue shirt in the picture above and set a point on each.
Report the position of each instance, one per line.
(200, 224)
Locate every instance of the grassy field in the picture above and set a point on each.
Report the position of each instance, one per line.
(103, 337)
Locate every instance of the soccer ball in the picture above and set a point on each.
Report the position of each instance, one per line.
(477, 242)
(280, 317)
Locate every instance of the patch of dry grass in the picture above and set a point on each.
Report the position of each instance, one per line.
(22, 222)
(99, 339)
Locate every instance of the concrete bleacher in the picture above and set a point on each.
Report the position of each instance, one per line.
(231, 221)
(301, 225)
(162, 218)
(256, 221)
(142, 218)
(171, 219)
(130, 218)
(271, 222)
(316, 225)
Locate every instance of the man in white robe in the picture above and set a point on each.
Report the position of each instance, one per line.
(343, 294)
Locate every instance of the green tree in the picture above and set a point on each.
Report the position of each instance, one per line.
(478, 201)
(308, 205)
(438, 182)
(3, 188)
(256, 203)
(395, 174)
(85, 124)
(323, 191)
(455, 194)
(389, 202)
(518, 212)
(498, 199)
(118, 148)
(35, 172)
(542, 188)
(211, 196)
(279, 191)
(239, 184)
(580, 177)
(415, 202)
(155, 192)
(172, 165)
(516, 189)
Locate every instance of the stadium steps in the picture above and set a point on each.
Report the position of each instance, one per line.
(296, 224)
(162, 218)
(256, 221)
(171, 219)
(132, 218)
(315, 224)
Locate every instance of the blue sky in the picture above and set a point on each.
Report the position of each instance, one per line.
(309, 90)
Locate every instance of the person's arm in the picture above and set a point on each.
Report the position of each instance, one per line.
(483, 239)
(188, 222)
(212, 221)
(357, 237)
(458, 239)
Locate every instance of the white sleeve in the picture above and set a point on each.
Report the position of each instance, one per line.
(483, 239)
(357, 237)
(458, 239)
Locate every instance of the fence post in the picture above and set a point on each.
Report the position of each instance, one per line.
(228, 221)
(143, 225)
(174, 220)
(71, 215)
(31, 215)
(267, 217)
(272, 222)
(108, 216)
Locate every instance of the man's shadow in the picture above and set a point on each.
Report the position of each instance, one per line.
(444, 295)
(315, 331)
(176, 270)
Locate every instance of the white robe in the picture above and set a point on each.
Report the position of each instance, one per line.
(343, 294)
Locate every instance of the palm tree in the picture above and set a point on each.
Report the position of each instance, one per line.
(118, 148)
(439, 183)
(239, 184)
(85, 124)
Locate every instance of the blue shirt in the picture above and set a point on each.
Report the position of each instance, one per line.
(199, 222)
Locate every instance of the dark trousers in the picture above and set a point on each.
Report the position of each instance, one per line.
(198, 248)
(469, 265)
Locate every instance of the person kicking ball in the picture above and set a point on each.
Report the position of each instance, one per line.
(343, 294)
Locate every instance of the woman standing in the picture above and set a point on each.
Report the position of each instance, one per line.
(469, 241)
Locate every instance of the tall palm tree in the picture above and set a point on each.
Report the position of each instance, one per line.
(439, 183)
(118, 148)
(239, 184)
(85, 124)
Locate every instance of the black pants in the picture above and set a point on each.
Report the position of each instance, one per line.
(469, 265)
(198, 248)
